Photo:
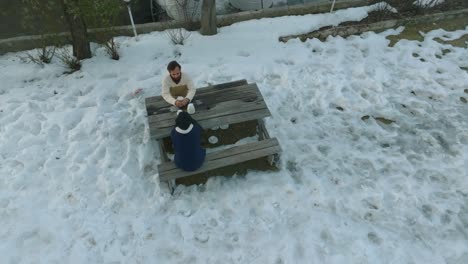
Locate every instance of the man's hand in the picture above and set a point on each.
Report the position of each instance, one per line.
(179, 103)
(182, 103)
(186, 101)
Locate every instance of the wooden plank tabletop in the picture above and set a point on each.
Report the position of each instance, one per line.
(215, 106)
(157, 104)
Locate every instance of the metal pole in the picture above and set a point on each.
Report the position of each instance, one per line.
(333, 6)
(131, 20)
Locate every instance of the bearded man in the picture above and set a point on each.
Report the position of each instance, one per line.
(177, 88)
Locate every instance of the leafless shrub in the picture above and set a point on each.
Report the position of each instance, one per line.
(69, 61)
(178, 35)
(112, 49)
(42, 56)
(104, 14)
(46, 51)
(158, 13)
(188, 11)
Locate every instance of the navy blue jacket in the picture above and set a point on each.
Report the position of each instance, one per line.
(189, 155)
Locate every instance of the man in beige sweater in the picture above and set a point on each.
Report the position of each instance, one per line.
(177, 88)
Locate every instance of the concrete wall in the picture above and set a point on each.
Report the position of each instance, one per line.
(30, 42)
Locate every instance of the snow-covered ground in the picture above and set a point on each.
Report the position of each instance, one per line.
(78, 177)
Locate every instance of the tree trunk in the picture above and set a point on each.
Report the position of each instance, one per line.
(78, 31)
(208, 18)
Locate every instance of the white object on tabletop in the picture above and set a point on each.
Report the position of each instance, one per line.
(213, 140)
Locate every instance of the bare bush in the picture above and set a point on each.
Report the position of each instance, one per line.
(112, 49)
(42, 55)
(188, 11)
(178, 35)
(104, 14)
(69, 61)
(40, 17)
(158, 13)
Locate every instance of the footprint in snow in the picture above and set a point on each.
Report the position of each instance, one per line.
(109, 75)
(285, 62)
(87, 90)
(273, 78)
(427, 211)
(374, 238)
(243, 53)
(145, 77)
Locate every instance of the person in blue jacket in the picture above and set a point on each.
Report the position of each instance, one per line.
(186, 138)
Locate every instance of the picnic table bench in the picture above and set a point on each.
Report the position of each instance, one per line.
(221, 104)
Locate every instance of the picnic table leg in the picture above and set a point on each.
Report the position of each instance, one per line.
(261, 130)
(263, 134)
(165, 158)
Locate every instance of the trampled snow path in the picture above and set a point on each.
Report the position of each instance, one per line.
(78, 178)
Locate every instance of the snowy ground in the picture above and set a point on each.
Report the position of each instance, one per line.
(78, 178)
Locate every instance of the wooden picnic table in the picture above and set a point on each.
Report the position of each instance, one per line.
(216, 105)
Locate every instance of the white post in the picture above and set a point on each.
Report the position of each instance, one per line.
(333, 6)
(131, 17)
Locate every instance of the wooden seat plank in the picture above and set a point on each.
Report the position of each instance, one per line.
(174, 174)
(235, 150)
(168, 171)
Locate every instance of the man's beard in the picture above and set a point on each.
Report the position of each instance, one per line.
(177, 80)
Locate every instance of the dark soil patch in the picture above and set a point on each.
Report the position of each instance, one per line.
(384, 120)
(405, 9)
(413, 32)
(415, 19)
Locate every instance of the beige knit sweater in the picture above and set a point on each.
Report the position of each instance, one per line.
(167, 83)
